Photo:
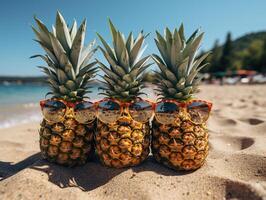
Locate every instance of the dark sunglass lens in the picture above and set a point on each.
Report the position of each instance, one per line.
(54, 105)
(108, 111)
(109, 105)
(167, 107)
(166, 112)
(198, 111)
(53, 111)
(83, 106)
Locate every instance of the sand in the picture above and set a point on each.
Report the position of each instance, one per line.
(235, 167)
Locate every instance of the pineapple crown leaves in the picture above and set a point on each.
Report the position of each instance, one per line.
(178, 77)
(124, 77)
(68, 69)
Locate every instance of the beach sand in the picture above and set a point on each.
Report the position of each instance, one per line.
(235, 167)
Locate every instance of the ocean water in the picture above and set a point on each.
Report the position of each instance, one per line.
(20, 103)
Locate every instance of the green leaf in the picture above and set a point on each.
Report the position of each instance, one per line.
(49, 53)
(78, 45)
(62, 77)
(70, 71)
(192, 36)
(73, 94)
(130, 42)
(87, 69)
(107, 47)
(118, 70)
(45, 58)
(143, 68)
(44, 33)
(171, 91)
(170, 76)
(198, 62)
(163, 52)
(109, 81)
(53, 82)
(127, 78)
(125, 94)
(53, 30)
(168, 36)
(124, 61)
(161, 40)
(162, 67)
(140, 63)
(118, 89)
(108, 72)
(192, 48)
(136, 48)
(59, 51)
(113, 30)
(73, 30)
(191, 77)
(108, 58)
(86, 54)
(62, 32)
(182, 34)
(63, 90)
(178, 95)
(182, 68)
(70, 85)
(168, 83)
(187, 90)
(119, 46)
(181, 84)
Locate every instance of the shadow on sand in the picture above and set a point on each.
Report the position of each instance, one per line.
(8, 169)
(87, 177)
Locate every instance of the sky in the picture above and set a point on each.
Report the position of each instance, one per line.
(214, 17)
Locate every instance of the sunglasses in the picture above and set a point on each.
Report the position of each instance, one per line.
(167, 111)
(55, 110)
(110, 110)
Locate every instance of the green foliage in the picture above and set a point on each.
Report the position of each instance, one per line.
(247, 52)
(68, 67)
(262, 63)
(124, 78)
(179, 64)
(227, 55)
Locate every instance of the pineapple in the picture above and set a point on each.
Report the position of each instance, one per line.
(182, 145)
(68, 74)
(125, 142)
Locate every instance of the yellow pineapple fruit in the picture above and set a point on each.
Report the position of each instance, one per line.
(68, 73)
(124, 142)
(182, 145)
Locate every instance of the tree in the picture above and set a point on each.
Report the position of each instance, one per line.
(262, 67)
(252, 59)
(227, 53)
(215, 57)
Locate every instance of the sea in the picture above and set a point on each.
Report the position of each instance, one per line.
(19, 103)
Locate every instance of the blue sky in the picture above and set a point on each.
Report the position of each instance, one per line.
(215, 18)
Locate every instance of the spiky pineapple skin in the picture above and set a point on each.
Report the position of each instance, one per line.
(68, 142)
(182, 146)
(124, 143)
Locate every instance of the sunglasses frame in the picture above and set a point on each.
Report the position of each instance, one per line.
(67, 104)
(185, 105)
(125, 105)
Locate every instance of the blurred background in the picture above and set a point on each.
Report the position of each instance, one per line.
(235, 32)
